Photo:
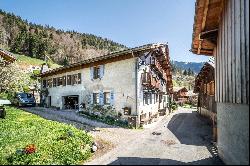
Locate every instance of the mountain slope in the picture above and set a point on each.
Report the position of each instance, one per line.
(19, 36)
(194, 66)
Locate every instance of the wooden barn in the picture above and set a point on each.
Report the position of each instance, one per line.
(221, 30)
(180, 95)
(204, 86)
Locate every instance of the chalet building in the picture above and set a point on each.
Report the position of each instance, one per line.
(204, 86)
(221, 30)
(180, 94)
(137, 82)
(6, 57)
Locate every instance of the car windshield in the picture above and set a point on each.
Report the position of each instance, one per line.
(25, 95)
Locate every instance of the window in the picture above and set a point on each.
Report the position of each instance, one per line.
(54, 82)
(44, 83)
(160, 98)
(96, 99)
(107, 98)
(150, 96)
(79, 78)
(68, 79)
(59, 81)
(96, 72)
(76, 79)
(153, 98)
(145, 98)
(49, 83)
(64, 80)
(210, 88)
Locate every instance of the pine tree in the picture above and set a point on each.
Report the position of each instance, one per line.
(185, 72)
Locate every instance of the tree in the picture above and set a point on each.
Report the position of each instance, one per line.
(13, 80)
(185, 72)
(65, 62)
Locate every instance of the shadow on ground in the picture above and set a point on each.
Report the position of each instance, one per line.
(191, 129)
(158, 161)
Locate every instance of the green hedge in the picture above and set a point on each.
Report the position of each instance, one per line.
(55, 143)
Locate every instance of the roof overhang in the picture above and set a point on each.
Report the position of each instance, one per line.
(205, 27)
(6, 56)
(203, 74)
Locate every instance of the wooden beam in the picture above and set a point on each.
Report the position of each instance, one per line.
(204, 18)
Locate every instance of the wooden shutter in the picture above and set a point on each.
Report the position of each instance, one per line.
(91, 98)
(101, 74)
(112, 98)
(101, 98)
(92, 73)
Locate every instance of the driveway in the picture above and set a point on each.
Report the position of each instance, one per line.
(181, 138)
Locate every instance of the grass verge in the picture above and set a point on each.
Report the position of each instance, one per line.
(48, 141)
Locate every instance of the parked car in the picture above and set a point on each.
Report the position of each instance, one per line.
(24, 99)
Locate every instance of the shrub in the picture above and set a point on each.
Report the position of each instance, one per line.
(174, 105)
(105, 114)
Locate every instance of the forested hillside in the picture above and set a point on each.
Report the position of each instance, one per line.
(184, 73)
(63, 47)
(188, 66)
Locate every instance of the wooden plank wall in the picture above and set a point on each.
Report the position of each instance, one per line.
(232, 53)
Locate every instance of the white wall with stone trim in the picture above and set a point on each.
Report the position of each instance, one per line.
(119, 77)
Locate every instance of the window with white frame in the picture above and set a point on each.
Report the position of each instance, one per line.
(107, 98)
(96, 98)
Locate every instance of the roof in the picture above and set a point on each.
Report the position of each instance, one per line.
(7, 56)
(130, 51)
(177, 89)
(208, 68)
(205, 27)
(120, 55)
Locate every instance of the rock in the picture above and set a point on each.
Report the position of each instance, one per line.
(94, 148)
(95, 143)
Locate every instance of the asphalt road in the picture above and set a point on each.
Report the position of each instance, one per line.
(181, 138)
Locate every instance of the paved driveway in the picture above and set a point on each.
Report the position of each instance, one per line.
(182, 138)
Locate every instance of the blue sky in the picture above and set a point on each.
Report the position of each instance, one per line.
(129, 22)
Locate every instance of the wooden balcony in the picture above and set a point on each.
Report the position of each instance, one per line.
(156, 64)
(146, 79)
(157, 85)
(149, 81)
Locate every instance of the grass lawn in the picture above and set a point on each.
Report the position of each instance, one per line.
(55, 143)
(22, 59)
